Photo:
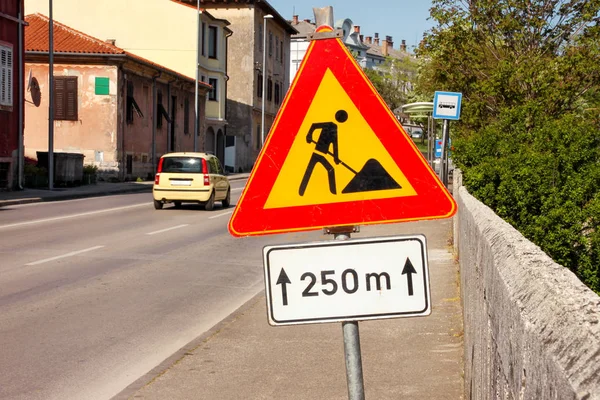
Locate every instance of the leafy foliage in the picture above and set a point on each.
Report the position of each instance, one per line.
(528, 140)
(394, 80)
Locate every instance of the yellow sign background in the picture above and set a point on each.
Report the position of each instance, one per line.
(357, 143)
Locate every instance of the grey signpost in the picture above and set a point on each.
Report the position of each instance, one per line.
(446, 106)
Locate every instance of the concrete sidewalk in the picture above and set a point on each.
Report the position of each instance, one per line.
(245, 358)
(99, 189)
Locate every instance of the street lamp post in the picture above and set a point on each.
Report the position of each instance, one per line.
(51, 97)
(198, 44)
(264, 77)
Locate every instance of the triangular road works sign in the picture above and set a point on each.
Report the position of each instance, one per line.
(336, 156)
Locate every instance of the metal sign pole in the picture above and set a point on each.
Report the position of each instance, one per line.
(443, 156)
(354, 372)
(51, 99)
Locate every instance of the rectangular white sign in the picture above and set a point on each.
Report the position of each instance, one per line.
(347, 280)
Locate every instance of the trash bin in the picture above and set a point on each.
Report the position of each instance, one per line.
(68, 167)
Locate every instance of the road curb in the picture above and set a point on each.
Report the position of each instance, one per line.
(73, 196)
(147, 187)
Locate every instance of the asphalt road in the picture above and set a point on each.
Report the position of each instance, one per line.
(96, 292)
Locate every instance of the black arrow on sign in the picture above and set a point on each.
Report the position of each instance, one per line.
(409, 270)
(283, 280)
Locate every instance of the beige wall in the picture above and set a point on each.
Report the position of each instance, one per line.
(96, 128)
(102, 126)
(162, 31)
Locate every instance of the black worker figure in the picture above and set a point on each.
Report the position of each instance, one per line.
(327, 138)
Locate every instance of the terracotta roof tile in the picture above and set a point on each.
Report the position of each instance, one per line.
(66, 39)
(71, 41)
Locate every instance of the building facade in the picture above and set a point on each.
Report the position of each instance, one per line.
(245, 69)
(369, 51)
(299, 43)
(167, 33)
(121, 111)
(11, 102)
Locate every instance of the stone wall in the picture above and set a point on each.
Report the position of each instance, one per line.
(532, 329)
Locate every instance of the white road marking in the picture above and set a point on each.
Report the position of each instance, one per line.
(73, 253)
(166, 230)
(236, 189)
(220, 215)
(39, 221)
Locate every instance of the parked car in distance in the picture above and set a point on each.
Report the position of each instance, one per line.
(416, 134)
(190, 178)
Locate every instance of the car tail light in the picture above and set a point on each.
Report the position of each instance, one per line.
(158, 171)
(205, 172)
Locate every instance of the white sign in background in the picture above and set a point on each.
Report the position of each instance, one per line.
(351, 280)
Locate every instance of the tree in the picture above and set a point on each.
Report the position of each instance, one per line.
(394, 80)
(527, 140)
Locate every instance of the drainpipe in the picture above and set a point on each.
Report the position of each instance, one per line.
(169, 124)
(169, 127)
(229, 34)
(123, 96)
(154, 119)
(20, 150)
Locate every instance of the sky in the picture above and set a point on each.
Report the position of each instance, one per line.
(401, 19)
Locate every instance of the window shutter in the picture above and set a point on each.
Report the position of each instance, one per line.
(6, 76)
(71, 103)
(59, 98)
(65, 98)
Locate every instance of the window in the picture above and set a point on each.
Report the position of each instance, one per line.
(270, 43)
(215, 166)
(159, 106)
(260, 38)
(162, 113)
(258, 137)
(277, 94)
(259, 86)
(276, 49)
(269, 90)
(203, 39)
(281, 51)
(65, 98)
(132, 104)
(212, 95)
(6, 76)
(186, 116)
(212, 42)
(182, 165)
(147, 103)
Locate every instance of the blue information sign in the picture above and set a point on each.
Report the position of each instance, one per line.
(446, 105)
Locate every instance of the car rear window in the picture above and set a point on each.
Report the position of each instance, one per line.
(182, 165)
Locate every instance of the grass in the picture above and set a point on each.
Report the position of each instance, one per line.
(421, 146)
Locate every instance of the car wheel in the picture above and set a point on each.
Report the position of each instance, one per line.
(210, 203)
(227, 200)
(158, 204)
(177, 204)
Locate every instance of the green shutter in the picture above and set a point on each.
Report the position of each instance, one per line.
(102, 86)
